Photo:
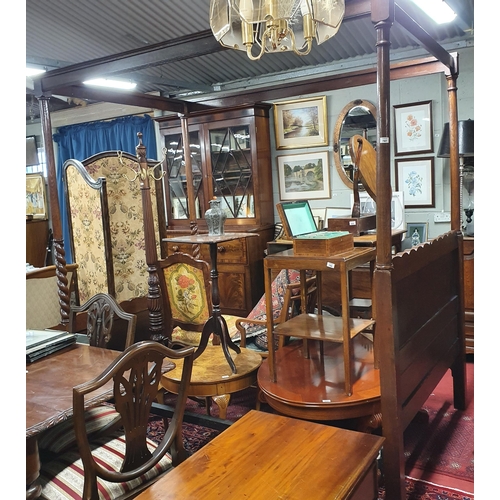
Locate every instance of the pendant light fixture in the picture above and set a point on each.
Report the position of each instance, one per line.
(266, 26)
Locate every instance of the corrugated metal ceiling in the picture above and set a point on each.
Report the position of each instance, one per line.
(59, 34)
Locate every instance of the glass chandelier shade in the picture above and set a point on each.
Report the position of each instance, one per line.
(266, 26)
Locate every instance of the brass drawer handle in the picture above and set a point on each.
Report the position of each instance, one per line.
(175, 248)
(221, 249)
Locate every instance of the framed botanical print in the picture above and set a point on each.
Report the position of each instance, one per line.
(415, 177)
(413, 128)
(301, 123)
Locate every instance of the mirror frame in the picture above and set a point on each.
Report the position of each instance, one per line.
(337, 131)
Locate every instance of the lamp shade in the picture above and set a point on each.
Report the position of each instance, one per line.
(465, 139)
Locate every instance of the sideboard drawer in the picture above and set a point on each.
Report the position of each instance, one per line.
(228, 252)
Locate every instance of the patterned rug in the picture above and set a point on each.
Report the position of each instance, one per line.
(439, 442)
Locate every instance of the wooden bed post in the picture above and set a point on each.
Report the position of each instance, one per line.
(394, 477)
(196, 251)
(451, 78)
(154, 296)
(55, 214)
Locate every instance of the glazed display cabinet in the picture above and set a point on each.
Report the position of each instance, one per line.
(230, 160)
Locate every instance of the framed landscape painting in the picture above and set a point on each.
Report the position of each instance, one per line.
(36, 197)
(413, 128)
(304, 176)
(301, 123)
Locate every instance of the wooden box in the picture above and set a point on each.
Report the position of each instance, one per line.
(354, 225)
(323, 243)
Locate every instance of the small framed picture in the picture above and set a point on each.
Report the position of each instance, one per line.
(331, 212)
(413, 128)
(301, 123)
(304, 176)
(36, 197)
(416, 232)
(415, 178)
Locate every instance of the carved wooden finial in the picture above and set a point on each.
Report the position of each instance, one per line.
(140, 149)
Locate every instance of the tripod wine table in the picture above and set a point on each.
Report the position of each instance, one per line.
(216, 324)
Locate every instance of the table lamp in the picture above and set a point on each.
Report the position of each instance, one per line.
(465, 149)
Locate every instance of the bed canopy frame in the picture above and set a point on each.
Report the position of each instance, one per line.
(401, 393)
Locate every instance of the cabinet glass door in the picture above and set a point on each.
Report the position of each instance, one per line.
(232, 170)
(177, 202)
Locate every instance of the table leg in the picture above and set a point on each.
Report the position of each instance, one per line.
(216, 324)
(33, 488)
(270, 322)
(222, 402)
(348, 349)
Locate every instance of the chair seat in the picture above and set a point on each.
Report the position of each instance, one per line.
(61, 437)
(63, 477)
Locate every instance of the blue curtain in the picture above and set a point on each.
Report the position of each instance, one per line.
(78, 142)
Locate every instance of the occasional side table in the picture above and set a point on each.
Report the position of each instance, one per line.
(312, 326)
(216, 324)
(212, 376)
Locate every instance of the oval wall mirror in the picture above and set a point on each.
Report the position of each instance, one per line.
(357, 117)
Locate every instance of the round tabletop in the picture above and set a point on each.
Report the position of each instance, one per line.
(212, 375)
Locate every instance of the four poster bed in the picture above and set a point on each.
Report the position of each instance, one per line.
(419, 332)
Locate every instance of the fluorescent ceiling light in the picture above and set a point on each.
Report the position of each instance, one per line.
(34, 71)
(116, 84)
(438, 10)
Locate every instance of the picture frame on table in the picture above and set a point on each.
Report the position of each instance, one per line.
(413, 128)
(304, 176)
(369, 207)
(36, 197)
(301, 123)
(415, 178)
(416, 232)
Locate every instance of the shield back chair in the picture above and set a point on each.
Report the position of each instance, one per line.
(126, 462)
(43, 309)
(101, 311)
(101, 331)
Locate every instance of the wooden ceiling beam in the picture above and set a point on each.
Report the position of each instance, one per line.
(195, 45)
(132, 99)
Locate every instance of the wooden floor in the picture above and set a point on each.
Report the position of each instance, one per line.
(313, 389)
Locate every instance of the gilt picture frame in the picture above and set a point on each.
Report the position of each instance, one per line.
(301, 123)
(36, 197)
(415, 178)
(304, 176)
(413, 128)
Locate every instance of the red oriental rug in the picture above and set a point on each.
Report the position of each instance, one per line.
(439, 442)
